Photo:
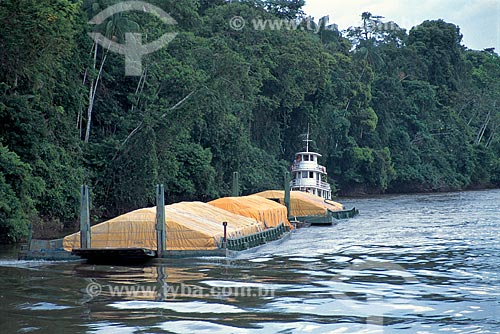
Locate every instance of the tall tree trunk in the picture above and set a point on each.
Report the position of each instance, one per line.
(481, 132)
(93, 90)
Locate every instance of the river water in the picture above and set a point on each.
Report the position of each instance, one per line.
(407, 264)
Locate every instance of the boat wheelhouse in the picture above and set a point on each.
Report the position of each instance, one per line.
(308, 175)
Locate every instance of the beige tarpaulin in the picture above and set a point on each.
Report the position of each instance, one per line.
(190, 226)
(303, 204)
(269, 212)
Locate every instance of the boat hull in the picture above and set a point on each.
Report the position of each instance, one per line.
(331, 218)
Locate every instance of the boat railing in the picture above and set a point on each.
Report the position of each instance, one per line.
(256, 239)
(301, 166)
(317, 183)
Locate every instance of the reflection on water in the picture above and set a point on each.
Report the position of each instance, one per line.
(407, 264)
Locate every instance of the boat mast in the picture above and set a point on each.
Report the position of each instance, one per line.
(307, 140)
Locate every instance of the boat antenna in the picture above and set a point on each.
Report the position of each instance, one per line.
(307, 140)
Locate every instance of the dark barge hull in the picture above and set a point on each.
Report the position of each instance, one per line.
(115, 255)
(331, 218)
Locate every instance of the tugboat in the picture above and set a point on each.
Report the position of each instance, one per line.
(308, 175)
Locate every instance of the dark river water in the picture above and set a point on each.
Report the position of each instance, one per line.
(407, 264)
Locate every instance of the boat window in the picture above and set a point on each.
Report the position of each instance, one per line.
(305, 175)
(306, 157)
(311, 175)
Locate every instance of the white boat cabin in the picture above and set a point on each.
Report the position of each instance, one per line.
(309, 176)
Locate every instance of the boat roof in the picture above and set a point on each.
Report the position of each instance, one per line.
(312, 153)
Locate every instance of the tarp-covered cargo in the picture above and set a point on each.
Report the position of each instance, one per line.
(303, 204)
(266, 211)
(190, 226)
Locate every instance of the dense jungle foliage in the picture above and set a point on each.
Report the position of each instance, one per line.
(390, 110)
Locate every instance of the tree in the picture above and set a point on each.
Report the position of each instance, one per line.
(389, 111)
(437, 43)
(287, 9)
(17, 192)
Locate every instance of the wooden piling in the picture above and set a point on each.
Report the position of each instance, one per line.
(85, 232)
(161, 229)
(287, 193)
(236, 184)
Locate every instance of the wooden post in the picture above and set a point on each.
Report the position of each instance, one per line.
(287, 192)
(225, 234)
(30, 235)
(161, 228)
(236, 184)
(85, 232)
